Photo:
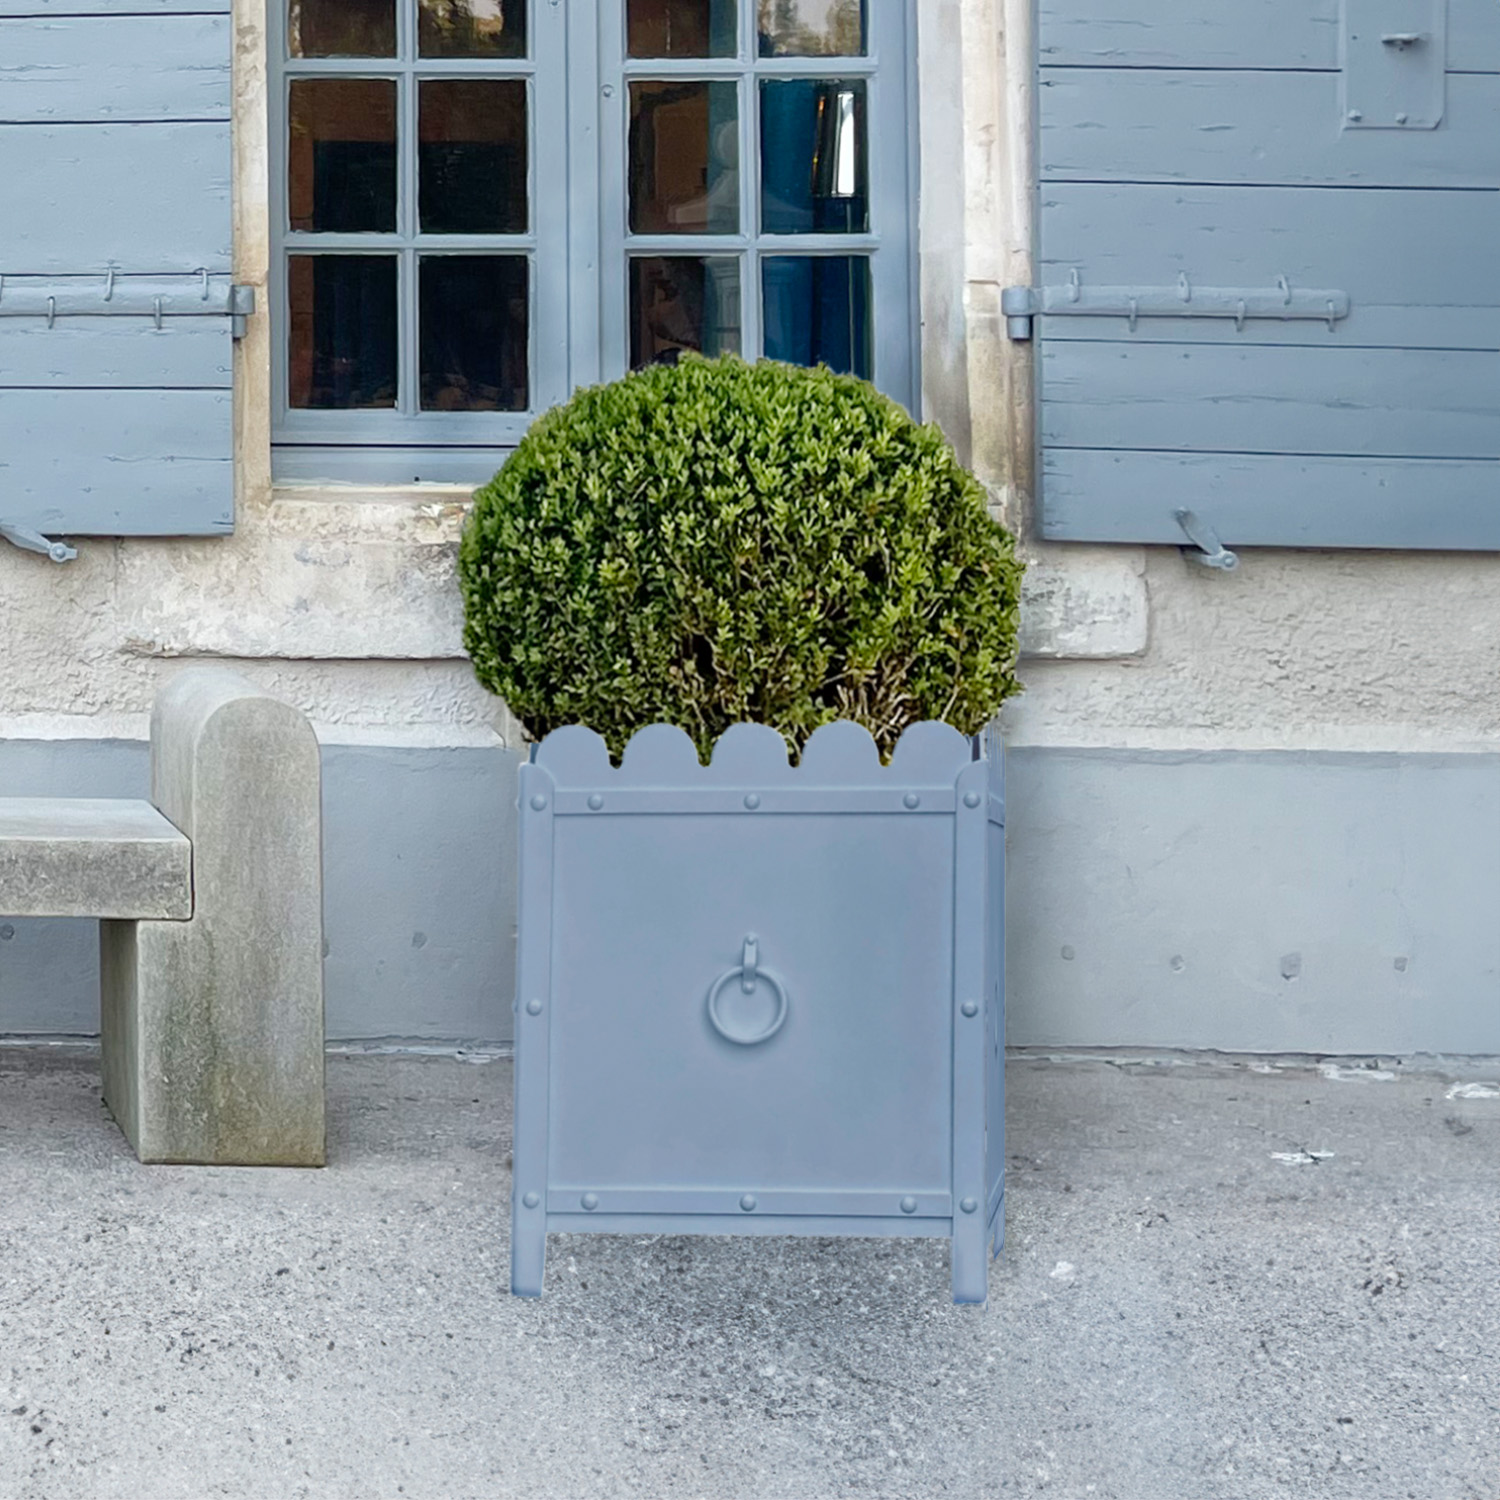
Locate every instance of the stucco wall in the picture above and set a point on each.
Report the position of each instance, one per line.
(343, 599)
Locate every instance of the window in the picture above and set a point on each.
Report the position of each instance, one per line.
(481, 204)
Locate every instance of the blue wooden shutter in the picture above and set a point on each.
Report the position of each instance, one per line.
(116, 306)
(1320, 184)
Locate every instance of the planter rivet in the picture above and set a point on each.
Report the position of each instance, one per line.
(752, 800)
(748, 1202)
(538, 802)
(596, 801)
(908, 1205)
(971, 799)
(590, 1201)
(532, 1199)
(912, 800)
(533, 1007)
(968, 1205)
(970, 1007)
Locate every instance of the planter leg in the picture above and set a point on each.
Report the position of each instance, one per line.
(971, 1262)
(528, 1254)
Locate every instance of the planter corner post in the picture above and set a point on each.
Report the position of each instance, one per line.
(533, 1020)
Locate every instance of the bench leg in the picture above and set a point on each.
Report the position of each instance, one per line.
(212, 1029)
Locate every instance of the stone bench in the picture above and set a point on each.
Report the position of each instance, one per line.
(209, 900)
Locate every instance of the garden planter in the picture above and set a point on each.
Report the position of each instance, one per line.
(761, 999)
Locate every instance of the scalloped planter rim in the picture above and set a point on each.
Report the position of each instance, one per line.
(755, 998)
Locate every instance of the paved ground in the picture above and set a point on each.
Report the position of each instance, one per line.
(1219, 1282)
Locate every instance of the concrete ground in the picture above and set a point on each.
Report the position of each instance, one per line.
(1224, 1280)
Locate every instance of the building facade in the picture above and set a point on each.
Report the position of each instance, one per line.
(1253, 808)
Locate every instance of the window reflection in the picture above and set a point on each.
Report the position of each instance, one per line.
(475, 321)
(342, 155)
(817, 311)
(471, 164)
(680, 28)
(341, 28)
(684, 158)
(683, 302)
(342, 331)
(813, 174)
(812, 28)
(471, 28)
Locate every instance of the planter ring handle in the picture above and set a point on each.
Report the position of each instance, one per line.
(749, 973)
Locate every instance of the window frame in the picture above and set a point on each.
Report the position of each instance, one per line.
(579, 331)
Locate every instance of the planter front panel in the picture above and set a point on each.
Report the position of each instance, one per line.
(758, 999)
(853, 915)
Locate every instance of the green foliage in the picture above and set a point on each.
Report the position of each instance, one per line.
(712, 542)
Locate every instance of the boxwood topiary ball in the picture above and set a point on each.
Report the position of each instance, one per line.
(711, 542)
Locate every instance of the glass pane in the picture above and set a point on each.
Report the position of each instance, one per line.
(341, 28)
(812, 28)
(814, 176)
(817, 311)
(474, 316)
(341, 166)
(682, 302)
(342, 330)
(680, 28)
(472, 28)
(471, 157)
(684, 158)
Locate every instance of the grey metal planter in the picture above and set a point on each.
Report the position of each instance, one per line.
(758, 999)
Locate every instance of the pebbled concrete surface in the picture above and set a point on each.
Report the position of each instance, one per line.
(1219, 1284)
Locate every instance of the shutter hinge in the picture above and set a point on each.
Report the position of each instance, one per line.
(241, 305)
(1207, 550)
(1281, 303)
(33, 541)
(117, 294)
(1018, 303)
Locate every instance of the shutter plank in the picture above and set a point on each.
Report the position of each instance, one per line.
(150, 8)
(108, 68)
(145, 197)
(1273, 501)
(115, 351)
(156, 463)
(1209, 398)
(1416, 279)
(1118, 125)
(1234, 34)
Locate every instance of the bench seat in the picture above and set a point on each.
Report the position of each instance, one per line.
(92, 857)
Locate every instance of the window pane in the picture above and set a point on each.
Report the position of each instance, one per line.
(812, 28)
(342, 332)
(472, 157)
(682, 302)
(681, 28)
(475, 318)
(472, 28)
(341, 28)
(813, 169)
(817, 311)
(341, 169)
(684, 158)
